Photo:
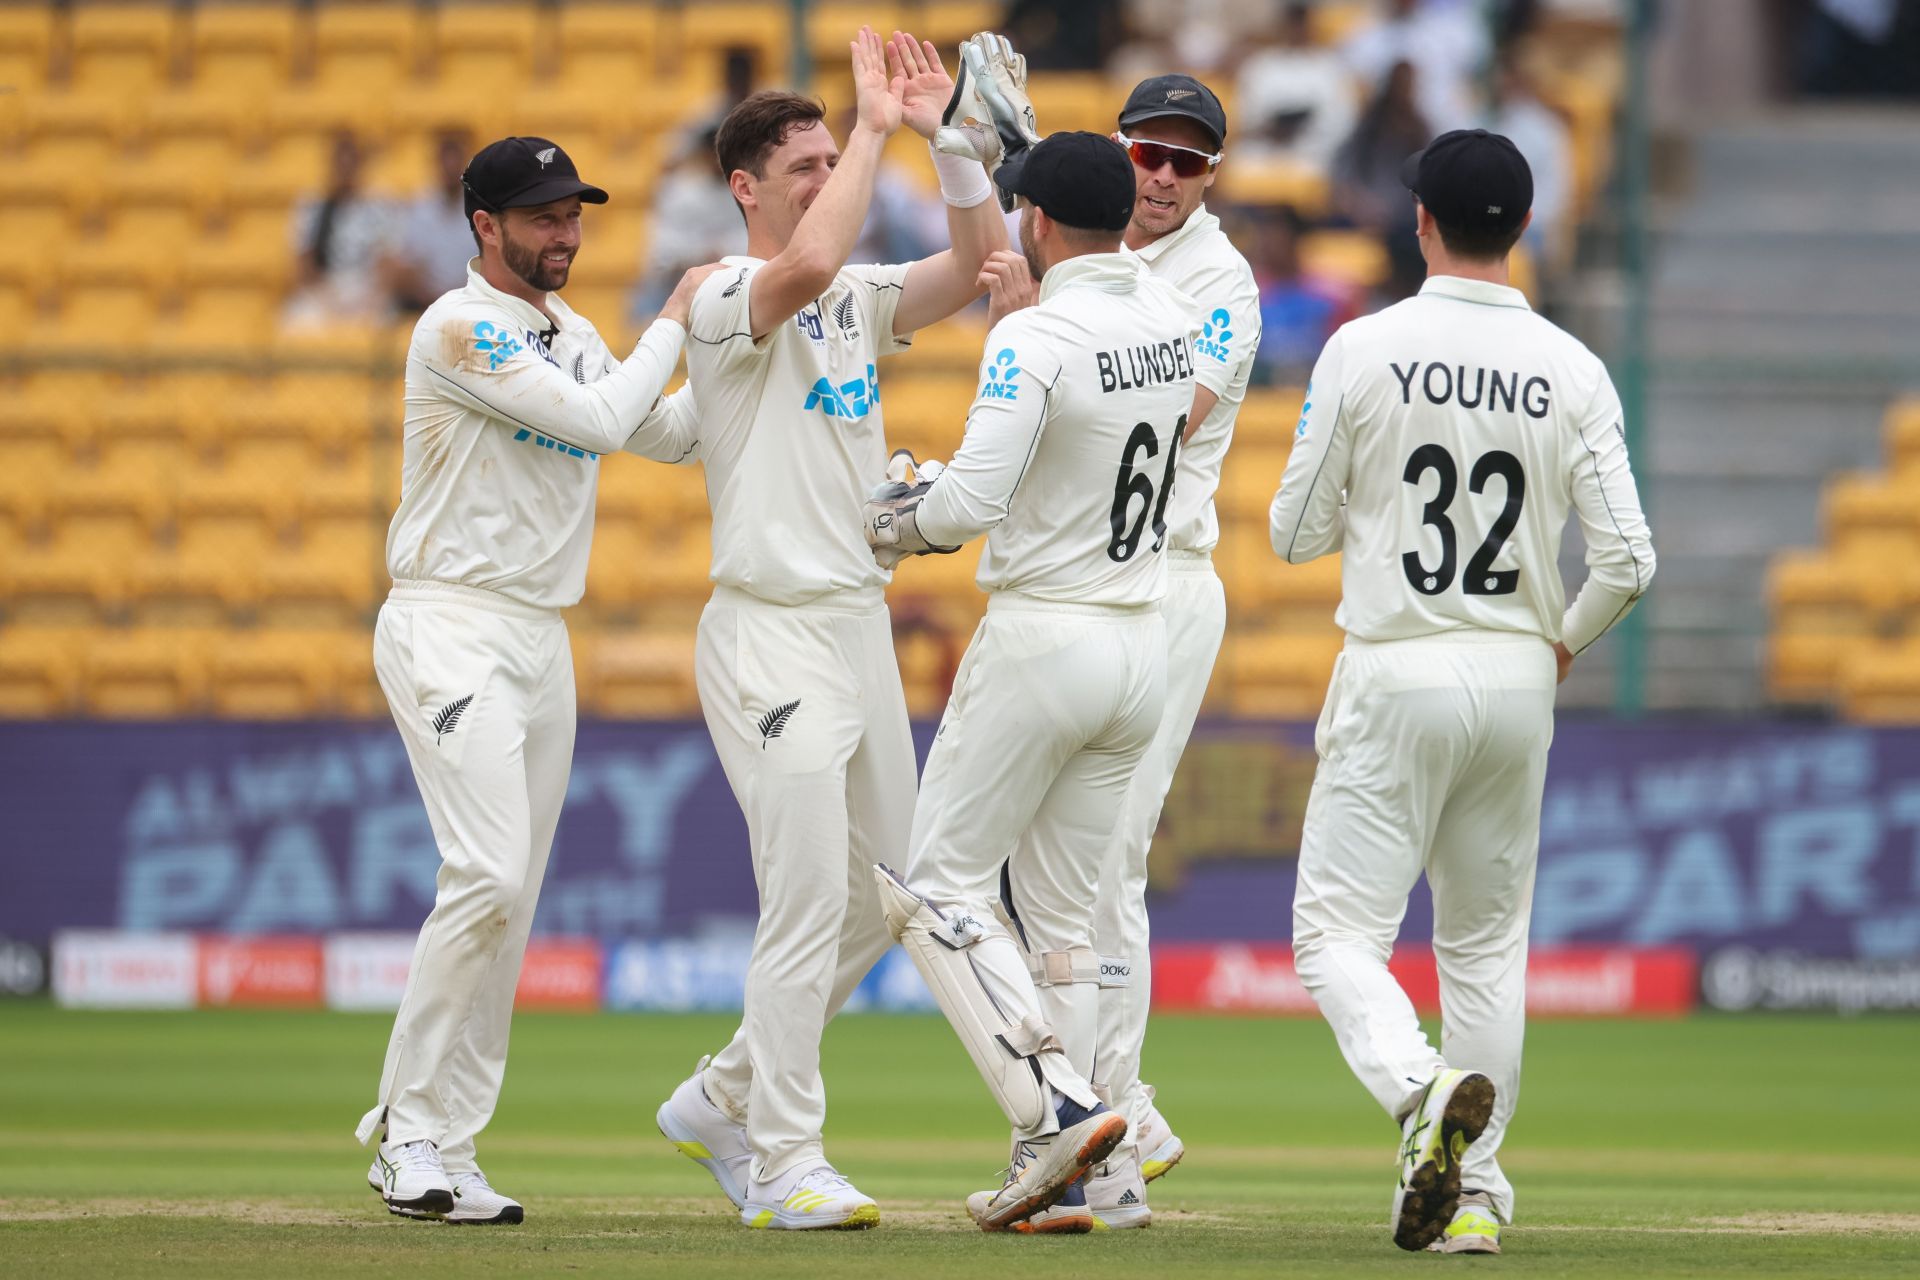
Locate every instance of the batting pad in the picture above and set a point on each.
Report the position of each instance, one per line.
(1006, 1050)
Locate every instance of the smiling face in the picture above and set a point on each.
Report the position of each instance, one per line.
(1164, 200)
(538, 244)
(794, 174)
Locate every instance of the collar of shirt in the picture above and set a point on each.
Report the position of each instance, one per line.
(1112, 272)
(520, 308)
(1484, 292)
(1198, 223)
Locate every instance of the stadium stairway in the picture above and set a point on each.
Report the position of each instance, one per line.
(1785, 302)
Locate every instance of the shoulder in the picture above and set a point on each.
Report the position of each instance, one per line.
(463, 331)
(725, 285)
(1033, 338)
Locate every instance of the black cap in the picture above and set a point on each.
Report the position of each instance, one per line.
(1471, 179)
(1078, 179)
(1176, 96)
(516, 173)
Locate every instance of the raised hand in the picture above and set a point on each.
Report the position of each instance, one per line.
(1008, 282)
(877, 99)
(926, 86)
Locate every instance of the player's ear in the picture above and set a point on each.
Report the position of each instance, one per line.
(740, 183)
(488, 225)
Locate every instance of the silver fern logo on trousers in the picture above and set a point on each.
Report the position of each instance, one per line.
(774, 723)
(447, 719)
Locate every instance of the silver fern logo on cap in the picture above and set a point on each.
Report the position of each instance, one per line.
(545, 157)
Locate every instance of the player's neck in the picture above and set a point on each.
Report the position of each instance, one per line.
(1489, 272)
(497, 274)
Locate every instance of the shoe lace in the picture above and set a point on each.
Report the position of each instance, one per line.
(1024, 1153)
(417, 1157)
(825, 1178)
(475, 1179)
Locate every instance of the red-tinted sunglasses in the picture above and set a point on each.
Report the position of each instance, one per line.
(1186, 162)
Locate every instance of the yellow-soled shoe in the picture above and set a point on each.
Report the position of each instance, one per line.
(817, 1199)
(1474, 1229)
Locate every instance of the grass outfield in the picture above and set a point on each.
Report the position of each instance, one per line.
(219, 1144)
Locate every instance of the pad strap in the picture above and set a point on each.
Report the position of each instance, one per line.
(1059, 968)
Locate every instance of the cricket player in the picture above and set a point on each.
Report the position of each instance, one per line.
(1067, 466)
(1174, 129)
(794, 659)
(511, 399)
(1441, 446)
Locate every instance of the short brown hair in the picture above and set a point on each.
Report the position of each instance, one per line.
(760, 123)
(1477, 245)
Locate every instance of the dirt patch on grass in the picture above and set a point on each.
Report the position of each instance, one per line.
(267, 1212)
(1818, 1224)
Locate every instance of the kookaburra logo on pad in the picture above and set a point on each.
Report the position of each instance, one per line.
(545, 157)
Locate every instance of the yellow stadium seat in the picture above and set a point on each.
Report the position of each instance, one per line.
(365, 46)
(243, 44)
(1355, 258)
(34, 465)
(1268, 416)
(1280, 675)
(79, 573)
(606, 45)
(123, 49)
(642, 673)
(1805, 666)
(200, 581)
(220, 319)
(133, 480)
(1873, 515)
(42, 412)
(271, 674)
(701, 32)
(179, 173)
(1903, 434)
(953, 347)
(259, 483)
(1077, 100)
(833, 24)
(39, 671)
(947, 22)
(1880, 683)
(1273, 183)
(26, 40)
(495, 46)
(146, 673)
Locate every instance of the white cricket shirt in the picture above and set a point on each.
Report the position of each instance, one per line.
(1202, 263)
(507, 414)
(1442, 444)
(1071, 443)
(791, 432)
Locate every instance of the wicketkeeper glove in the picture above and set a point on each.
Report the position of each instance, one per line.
(892, 515)
(989, 118)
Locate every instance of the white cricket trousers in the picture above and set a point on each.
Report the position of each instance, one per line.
(482, 690)
(1052, 709)
(1196, 619)
(810, 722)
(1433, 755)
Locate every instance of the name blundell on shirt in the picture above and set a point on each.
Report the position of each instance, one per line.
(1128, 367)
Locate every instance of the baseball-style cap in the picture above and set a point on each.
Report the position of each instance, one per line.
(1471, 179)
(515, 173)
(1079, 179)
(1176, 95)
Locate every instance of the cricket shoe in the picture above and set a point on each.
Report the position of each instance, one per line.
(1043, 1169)
(1474, 1229)
(706, 1135)
(409, 1175)
(1160, 1148)
(1117, 1194)
(1450, 1115)
(1067, 1216)
(475, 1203)
(813, 1198)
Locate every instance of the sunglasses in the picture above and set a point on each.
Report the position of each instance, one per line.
(1186, 162)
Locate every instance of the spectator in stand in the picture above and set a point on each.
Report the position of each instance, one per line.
(1445, 40)
(1296, 99)
(1367, 190)
(345, 241)
(1063, 35)
(1543, 138)
(1298, 312)
(693, 221)
(435, 242)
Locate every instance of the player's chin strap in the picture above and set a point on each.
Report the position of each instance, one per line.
(964, 960)
(989, 118)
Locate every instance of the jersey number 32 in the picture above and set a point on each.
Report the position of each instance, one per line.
(1482, 579)
(1134, 482)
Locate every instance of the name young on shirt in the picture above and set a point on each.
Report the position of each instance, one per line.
(1490, 388)
(1130, 367)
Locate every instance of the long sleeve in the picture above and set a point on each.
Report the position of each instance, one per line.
(671, 433)
(973, 494)
(484, 364)
(1620, 557)
(1305, 521)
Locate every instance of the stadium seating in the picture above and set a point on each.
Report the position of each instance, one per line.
(193, 515)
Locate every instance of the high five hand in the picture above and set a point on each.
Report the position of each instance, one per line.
(927, 88)
(878, 101)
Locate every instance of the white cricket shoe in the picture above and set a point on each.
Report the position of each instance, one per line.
(1450, 1116)
(706, 1135)
(1117, 1194)
(1160, 1148)
(475, 1203)
(409, 1175)
(1067, 1216)
(1042, 1170)
(1474, 1229)
(813, 1198)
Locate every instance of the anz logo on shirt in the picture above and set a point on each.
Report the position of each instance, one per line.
(500, 346)
(545, 442)
(1215, 335)
(851, 400)
(1002, 378)
(1306, 406)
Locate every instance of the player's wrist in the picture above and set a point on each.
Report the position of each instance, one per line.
(963, 180)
